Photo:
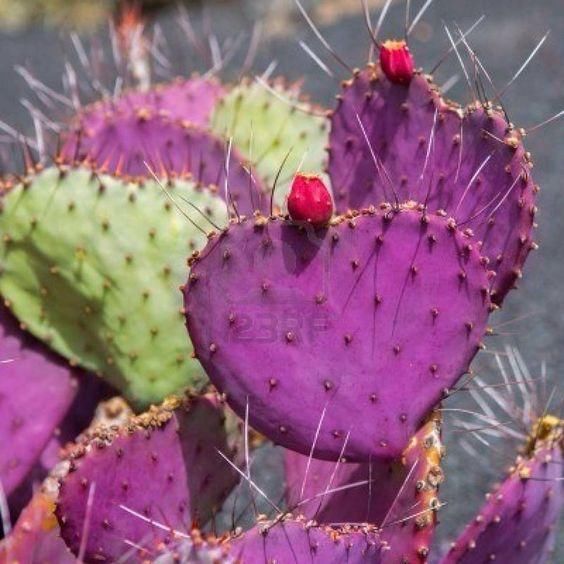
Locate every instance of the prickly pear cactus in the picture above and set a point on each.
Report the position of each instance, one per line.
(334, 305)
(519, 521)
(399, 497)
(91, 264)
(380, 292)
(162, 467)
(398, 142)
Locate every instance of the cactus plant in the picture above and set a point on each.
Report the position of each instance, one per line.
(400, 497)
(112, 273)
(379, 292)
(161, 466)
(334, 310)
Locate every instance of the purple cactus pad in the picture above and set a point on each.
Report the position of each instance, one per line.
(356, 329)
(519, 521)
(414, 145)
(158, 474)
(128, 143)
(29, 374)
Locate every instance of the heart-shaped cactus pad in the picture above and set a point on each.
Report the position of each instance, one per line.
(346, 335)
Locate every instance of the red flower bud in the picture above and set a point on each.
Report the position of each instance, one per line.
(396, 61)
(309, 200)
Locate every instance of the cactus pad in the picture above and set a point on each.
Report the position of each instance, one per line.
(374, 316)
(92, 264)
(519, 521)
(161, 467)
(470, 163)
(400, 497)
(29, 373)
(266, 124)
(128, 143)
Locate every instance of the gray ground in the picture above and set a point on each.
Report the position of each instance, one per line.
(533, 318)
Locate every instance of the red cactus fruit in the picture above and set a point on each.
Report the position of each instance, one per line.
(396, 61)
(310, 200)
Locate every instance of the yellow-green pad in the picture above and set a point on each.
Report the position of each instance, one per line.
(265, 123)
(92, 266)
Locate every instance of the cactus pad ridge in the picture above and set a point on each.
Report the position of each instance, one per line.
(295, 540)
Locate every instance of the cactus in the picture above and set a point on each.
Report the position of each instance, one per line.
(28, 375)
(328, 315)
(519, 520)
(295, 540)
(399, 497)
(272, 124)
(161, 467)
(335, 329)
(404, 142)
(102, 291)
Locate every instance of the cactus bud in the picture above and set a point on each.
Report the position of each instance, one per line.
(396, 61)
(309, 200)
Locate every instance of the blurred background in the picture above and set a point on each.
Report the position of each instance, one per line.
(35, 34)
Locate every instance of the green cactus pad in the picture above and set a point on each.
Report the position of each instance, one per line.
(265, 123)
(91, 265)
